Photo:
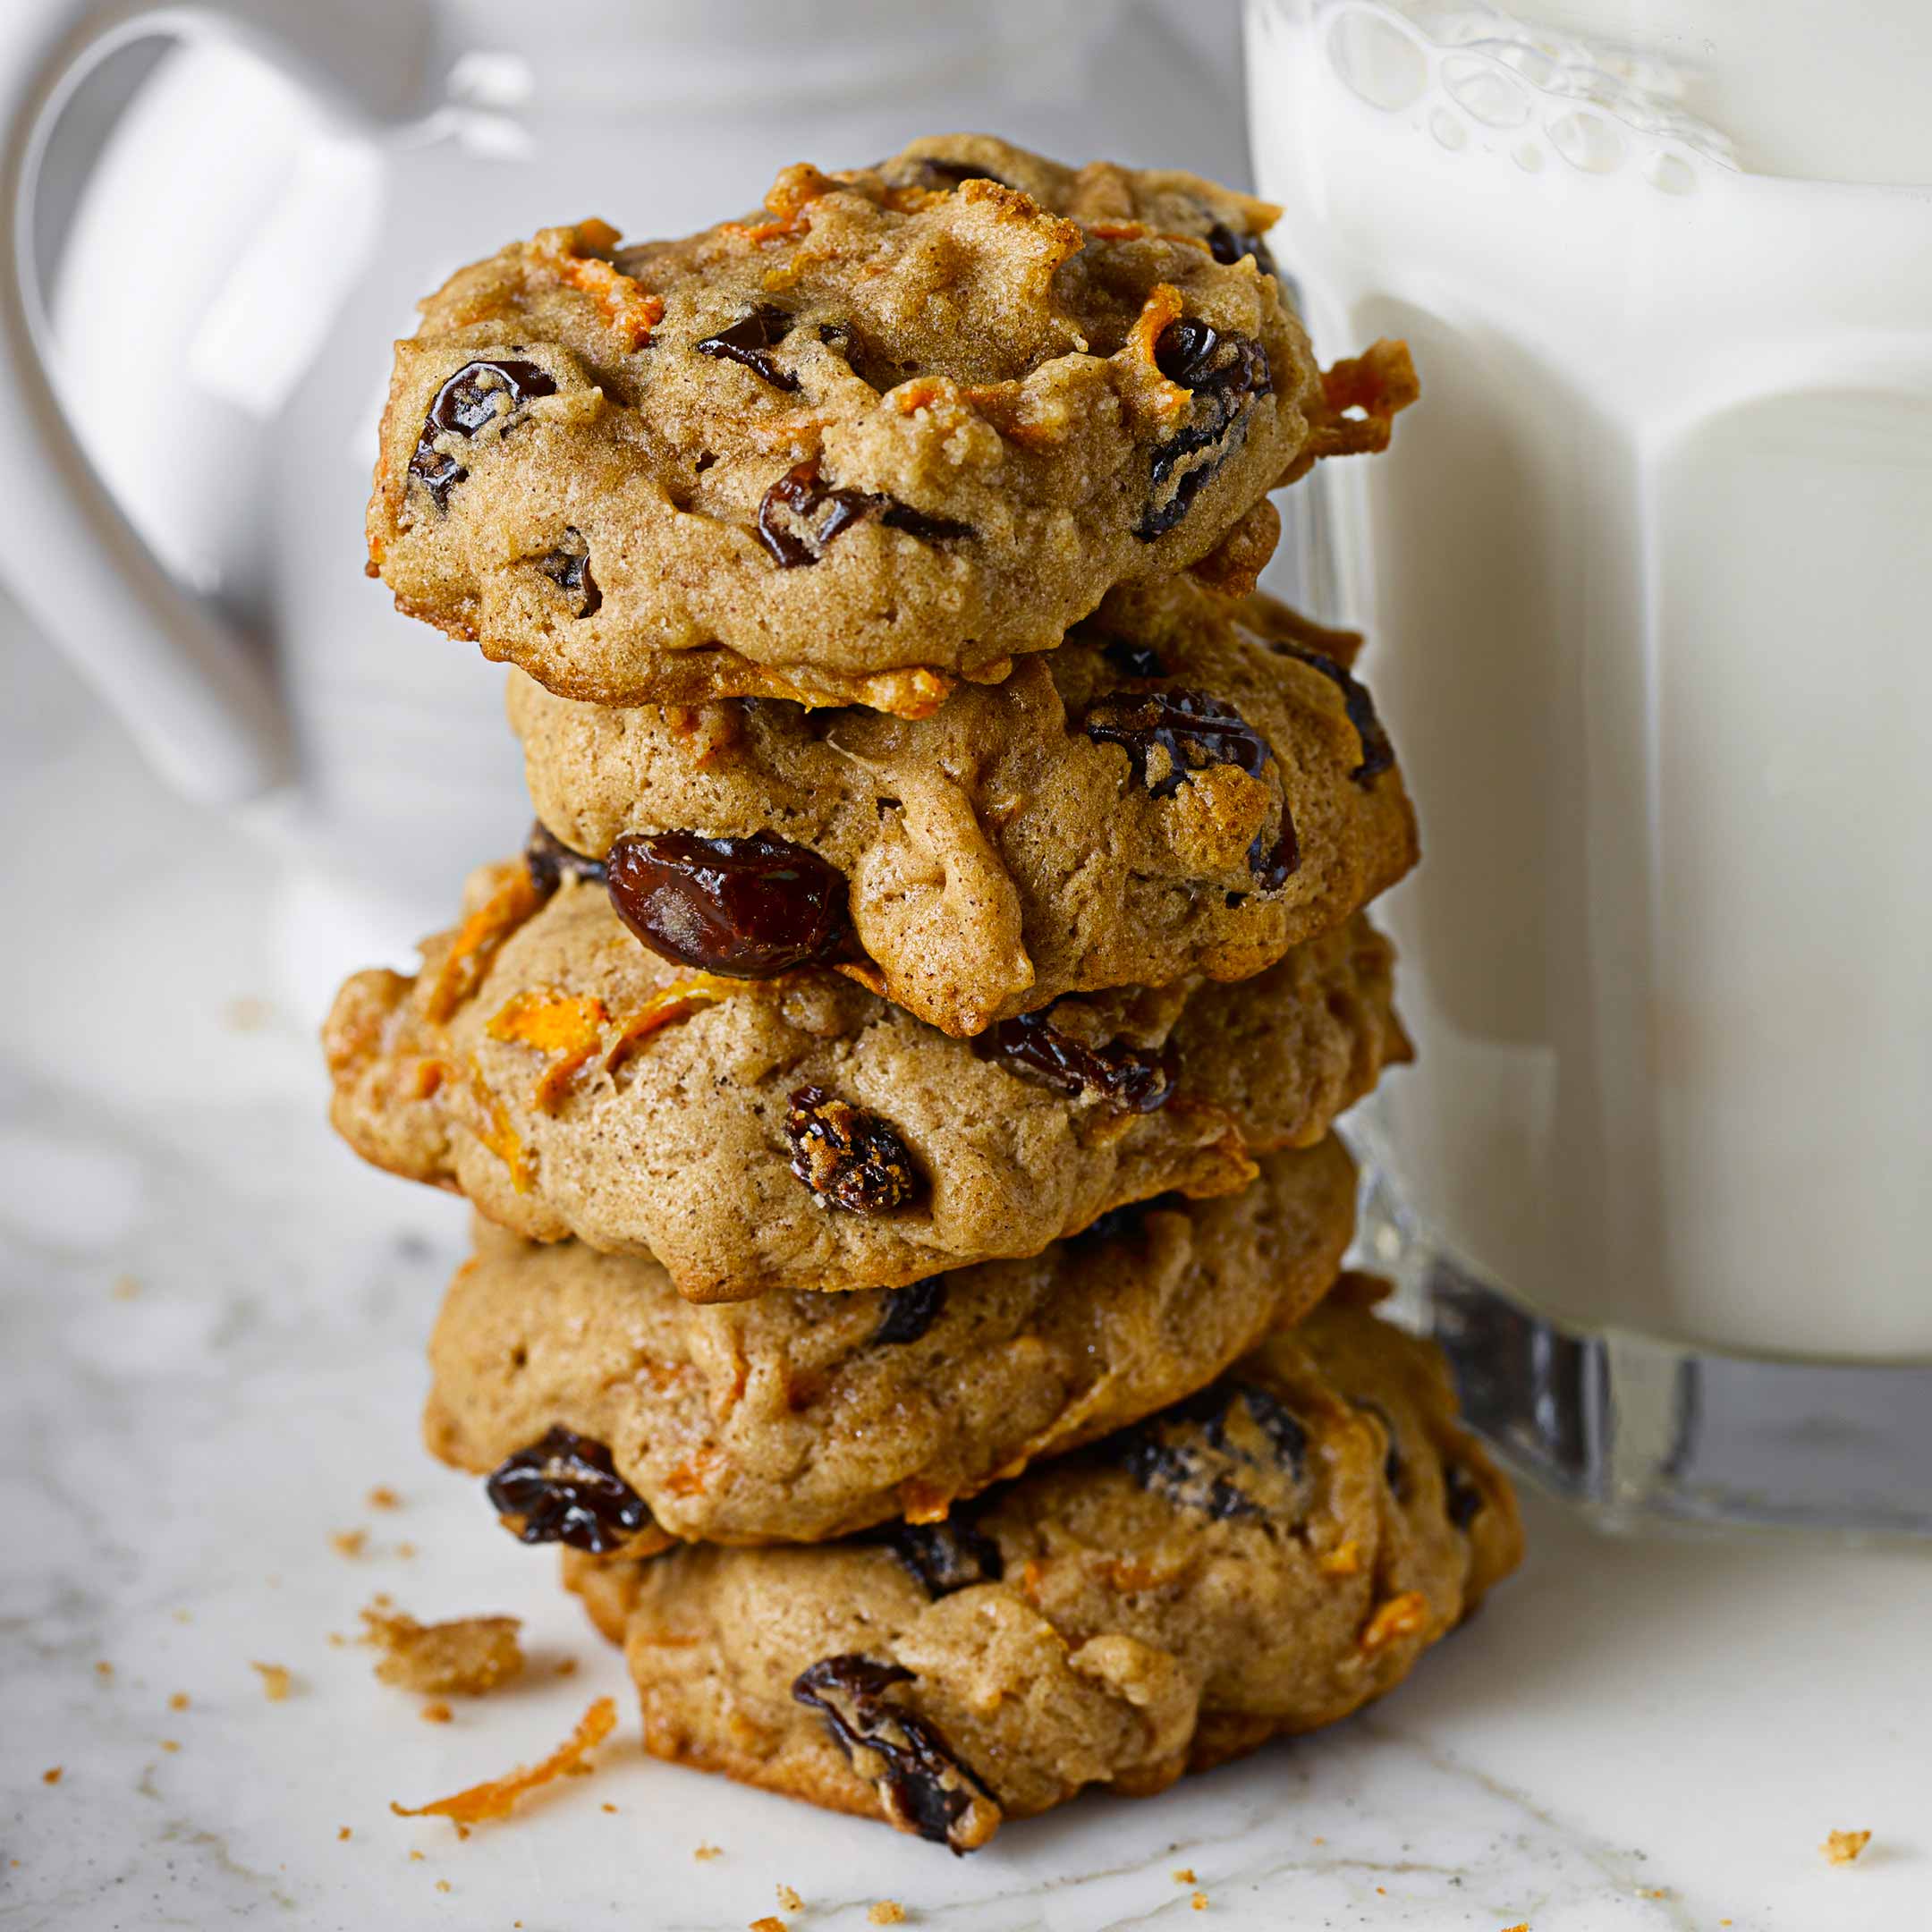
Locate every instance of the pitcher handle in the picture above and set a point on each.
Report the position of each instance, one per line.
(196, 697)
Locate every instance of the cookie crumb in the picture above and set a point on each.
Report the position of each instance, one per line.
(436, 1713)
(415, 1858)
(1524, 1927)
(184, 1616)
(343, 1832)
(767, 1924)
(382, 1496)
(104, 1670)
(705, 1853)
(496, 1798)
(1198, 1902)
(125, 1288)
(1842, 1847)
(608, 1806)
(51, 1776)
(348, 1542)
(789, 1900)
(276, 1681)
(888, 1911)
(405, 1551)
(468, 1656)
(568, 1667)
(179, 1701)
(170, 1744)
(1184, 1874)
(442, 1884)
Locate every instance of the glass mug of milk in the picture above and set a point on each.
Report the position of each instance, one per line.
(1648, 585)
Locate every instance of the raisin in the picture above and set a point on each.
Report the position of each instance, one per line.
(749, 341)
(1226, 374)
(1130, 1078)
(745, 907)
(1377, 754)
(927, 170)
(465, 403)
(1461, 1498)
(823, 511)
(550, 861)
(568, 567)
(910, 1311)
(848, 1159)
(566, 1489)
(1192, 731)
(943, 1556)
(1188, 1457)
(1228, 245)
(1134, 660)
(1272, 866)
(922, 1785)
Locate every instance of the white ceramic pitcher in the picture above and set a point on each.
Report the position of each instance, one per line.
(187, 414)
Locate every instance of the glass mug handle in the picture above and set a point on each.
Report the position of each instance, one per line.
(193, 693)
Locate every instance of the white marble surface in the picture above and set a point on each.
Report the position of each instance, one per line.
(210, 1330)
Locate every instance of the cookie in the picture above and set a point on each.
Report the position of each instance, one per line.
(912, 421)
(1264, 1557)
(800, 1417)
(1187, 785)
(799, 1132)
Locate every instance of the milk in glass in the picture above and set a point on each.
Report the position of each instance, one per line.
(1648, 579)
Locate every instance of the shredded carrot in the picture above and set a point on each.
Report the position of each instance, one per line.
(496, 1797)
(1163, 306)
(496, 1133)
(1407, 1615)
(476, 939)
(575, 256)
(677, 1002)
(1381, 382)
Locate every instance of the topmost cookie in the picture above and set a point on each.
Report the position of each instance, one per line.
(918, 419)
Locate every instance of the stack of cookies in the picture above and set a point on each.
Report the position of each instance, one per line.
(897, 1081)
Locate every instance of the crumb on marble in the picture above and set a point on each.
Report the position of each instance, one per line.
(442, 1884)
(468, 1656)
(567, 1667)
(184, 1616)
(104, 1670)
(1198, 1902)
(496, 1798)
(436, 1713)
(171, 1744)
(52, 1774)
(1842, 1847)
(276, 1681)
(608, 1806)
(1183, 1874)
(179, 1701)
(405, 1551)
(705, 1853)
(343, 1832)
(125, 1288)
(348, 1542)
(769, 1923)
(1524, 1927)
(888, 1911)
(415, 1858)
(382, 1496)
(789, 1900)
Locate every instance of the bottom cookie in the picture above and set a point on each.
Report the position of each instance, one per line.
(1264, 1557)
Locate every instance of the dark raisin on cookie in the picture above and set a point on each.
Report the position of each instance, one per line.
(566, 1489)
(801, 514)
(1377, 754)
(550, 861)
(748, 908)
(1225, 1453)
(848, 1159)
(1272, 866)
(749, 341)
(1170, 735)
(1132, 1078)
(922, 1785)
(1227, 246)
(1226, 375)
(943, 1556)
(464, 404)
(1463, 1500)
(568, 567)
(928, 171)
(910, 1311)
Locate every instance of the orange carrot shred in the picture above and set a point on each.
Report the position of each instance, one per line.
(496, 1798)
